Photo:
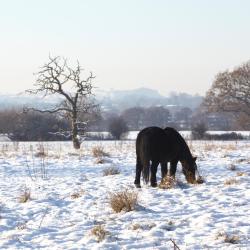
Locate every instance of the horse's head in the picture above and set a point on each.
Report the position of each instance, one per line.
(189, 168)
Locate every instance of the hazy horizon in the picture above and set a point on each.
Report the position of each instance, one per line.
(165, 45)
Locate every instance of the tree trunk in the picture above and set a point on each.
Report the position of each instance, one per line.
(75, 139)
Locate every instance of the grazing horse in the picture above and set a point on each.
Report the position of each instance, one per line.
(157, 145)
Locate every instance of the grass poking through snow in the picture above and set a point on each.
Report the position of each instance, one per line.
(124, 201)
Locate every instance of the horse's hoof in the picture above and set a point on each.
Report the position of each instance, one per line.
(137, 185)
(154, 184)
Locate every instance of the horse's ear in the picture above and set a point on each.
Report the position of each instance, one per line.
(195, 158)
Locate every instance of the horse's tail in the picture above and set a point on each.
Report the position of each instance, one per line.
(145, 161)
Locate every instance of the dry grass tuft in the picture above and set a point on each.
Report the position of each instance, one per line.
(230, 181)
(22, 226)
(111, 171)
(77, 194)
(199, 180)
(99, 232)
(99, 161)
(230, 147)
(136, 226)
(240, 160)
(24, 196)
(40, 154)
(124, 201)
(232, 167)
(167, 182)
(40, 151)
(241, 174)
(143, 226)
(209, 146)
(99, 152)
(233, 239)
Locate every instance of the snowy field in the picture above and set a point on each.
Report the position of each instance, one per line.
(53, 197)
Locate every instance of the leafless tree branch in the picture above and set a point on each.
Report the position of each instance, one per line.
(230, 92)
(57, 77)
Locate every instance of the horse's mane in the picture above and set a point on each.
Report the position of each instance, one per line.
(180, 139)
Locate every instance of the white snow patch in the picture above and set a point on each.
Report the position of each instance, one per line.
(70, 196)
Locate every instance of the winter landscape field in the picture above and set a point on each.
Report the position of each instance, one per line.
(54, 197)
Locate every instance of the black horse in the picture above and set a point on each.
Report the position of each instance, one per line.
(157, 145)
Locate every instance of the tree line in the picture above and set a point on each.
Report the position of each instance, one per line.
(226, 103)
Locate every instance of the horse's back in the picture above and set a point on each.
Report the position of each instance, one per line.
(152, 144)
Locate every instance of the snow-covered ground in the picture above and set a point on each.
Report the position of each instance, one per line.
(70, 197)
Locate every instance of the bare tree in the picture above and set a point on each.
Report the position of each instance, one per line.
(157, 116)
(199, 130)
(57, 78)
(117, 127)
(230, 92)
(135, 117)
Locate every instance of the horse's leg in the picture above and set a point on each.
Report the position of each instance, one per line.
(153, 180)
(173, 166)
(138, 173)
(164, 169)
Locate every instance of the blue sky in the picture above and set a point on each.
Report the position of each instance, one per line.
(166, 45)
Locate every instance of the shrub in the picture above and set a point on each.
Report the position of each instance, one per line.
(198, 131)
(99, 152)
(232, 167)
(25, 195)
(124, 201)
(117, 127)
(167, 182)
(200, 179)
(143, 226)
(233, 239)
(35, 126)
(99, 232)
(111, 171)
(77, 194)
(241, 174)
(230, 181)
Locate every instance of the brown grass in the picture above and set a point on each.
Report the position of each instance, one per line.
(136, 226)
(24, 196)
(230, 146)
(167, 182)
(111, 171)
(40, 151)
(143, 226)
(230, 181)
(99, 152)
(241, 174)
(99, 232)
(209, 146)
(77, 194)
(99, 161)
(232, 239)
(22, 226)
(232, 167)
(124, 201)
(199, 180)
